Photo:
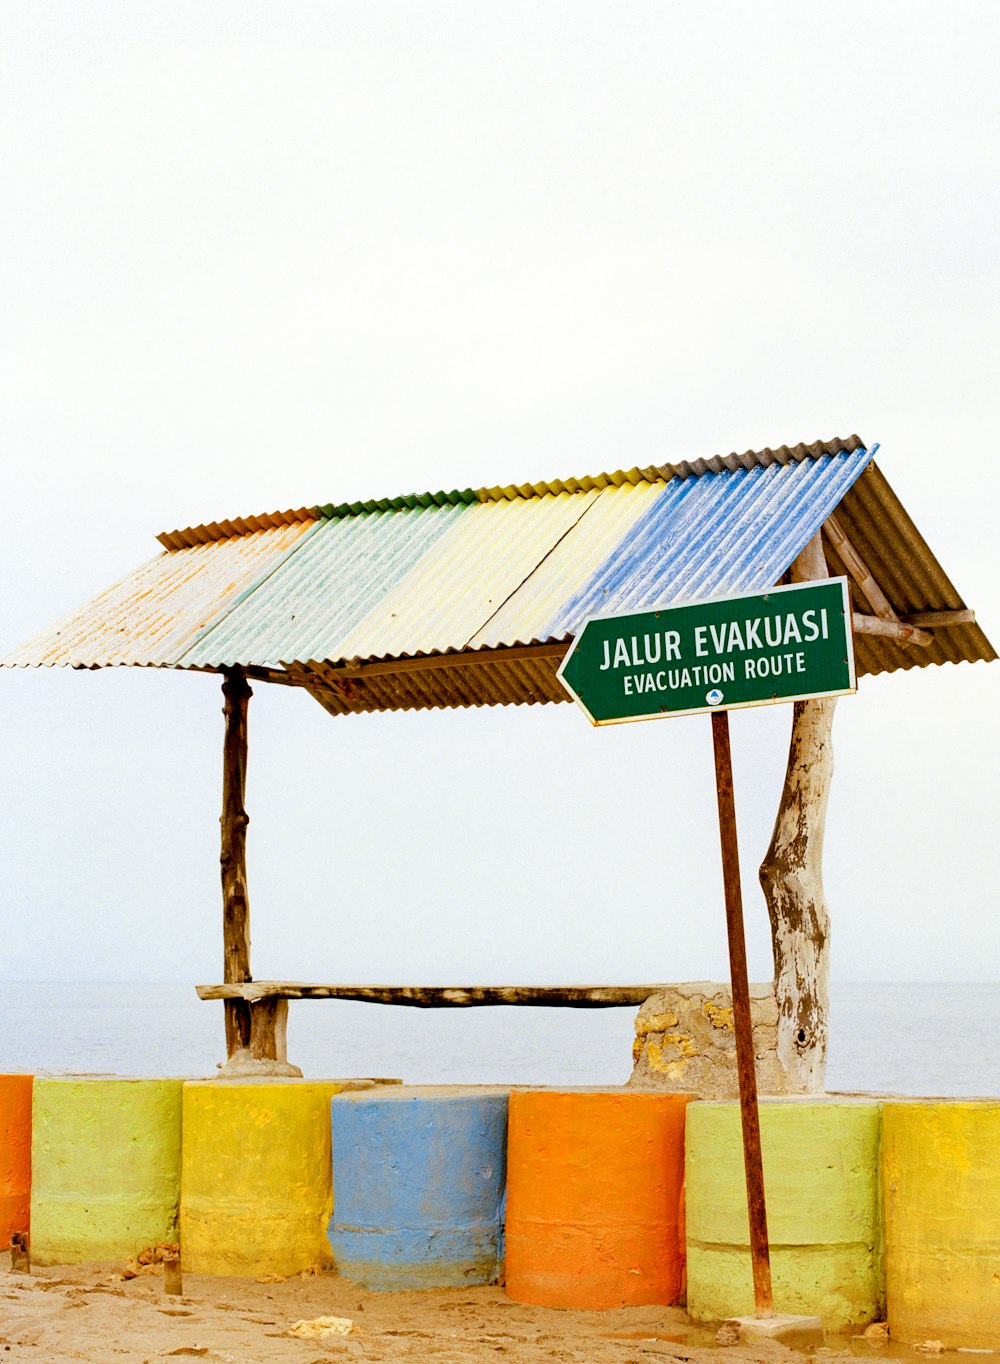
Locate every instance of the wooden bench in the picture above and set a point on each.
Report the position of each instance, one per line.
(265, 1024)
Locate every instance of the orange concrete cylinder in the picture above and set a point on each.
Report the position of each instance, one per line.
(595, 1183)
(15, 1155)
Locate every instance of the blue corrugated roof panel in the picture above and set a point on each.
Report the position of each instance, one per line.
(728, 532)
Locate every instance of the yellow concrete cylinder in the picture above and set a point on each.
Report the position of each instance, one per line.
(105, 1167)
(256, 1185)
(941, 1192)
(821, 1167)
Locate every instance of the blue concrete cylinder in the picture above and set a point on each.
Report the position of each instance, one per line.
(419, 1174)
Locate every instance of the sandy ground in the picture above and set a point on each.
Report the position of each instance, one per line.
(88, 1312)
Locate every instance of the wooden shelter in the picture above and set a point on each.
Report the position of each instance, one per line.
(472, 597)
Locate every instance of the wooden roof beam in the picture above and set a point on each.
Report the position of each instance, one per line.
(858, 570)
(896, 630)
(934, 620)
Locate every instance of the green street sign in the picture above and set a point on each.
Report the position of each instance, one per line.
(786, 644)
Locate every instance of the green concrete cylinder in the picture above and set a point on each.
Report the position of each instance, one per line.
(821, 1181)
(106, 1167)
(941, 1190)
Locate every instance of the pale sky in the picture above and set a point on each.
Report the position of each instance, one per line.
(255, 256)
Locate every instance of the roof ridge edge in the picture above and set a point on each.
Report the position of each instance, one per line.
(654, 473)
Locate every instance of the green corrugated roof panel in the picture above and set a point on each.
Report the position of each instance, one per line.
(408, 502)
(345, 567)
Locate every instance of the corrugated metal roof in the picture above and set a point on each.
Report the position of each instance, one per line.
(323, 591)
(465, 578)
(487, 678)
(662, 473)
(222, 530)
(156, 613)
(469, 597)
(730, 531)
(527, 614)
(449, 576)
(901, 561)
(717, 534)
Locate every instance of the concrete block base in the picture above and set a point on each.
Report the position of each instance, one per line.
(783, 1327)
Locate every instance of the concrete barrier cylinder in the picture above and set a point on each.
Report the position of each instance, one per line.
(941, 1192)
(821, 1177)
(255, 1186)
(15, 1155)
(594, 1200)
(418, 1184)
(105, 1167)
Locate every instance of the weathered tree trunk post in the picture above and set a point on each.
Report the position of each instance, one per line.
(792, 879)
(233, 857)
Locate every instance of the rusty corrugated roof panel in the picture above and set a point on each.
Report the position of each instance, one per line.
(222, 530)
(883, 533)
(156, 613)
(488, 678)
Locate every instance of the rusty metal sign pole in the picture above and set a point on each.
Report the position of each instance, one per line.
(756, 1209)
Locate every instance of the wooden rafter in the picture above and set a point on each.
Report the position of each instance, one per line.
(885, 622)
(858, 570)
(899, 631)
(940, 620)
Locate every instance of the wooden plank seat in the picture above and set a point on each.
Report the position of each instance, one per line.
(265, 1022)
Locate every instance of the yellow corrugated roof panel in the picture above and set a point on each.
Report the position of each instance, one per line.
(156, 613)
(466, 577)
(525, 616)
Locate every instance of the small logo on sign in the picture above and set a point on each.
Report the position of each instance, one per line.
(714, 697)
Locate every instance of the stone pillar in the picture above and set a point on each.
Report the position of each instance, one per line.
(685, 1042)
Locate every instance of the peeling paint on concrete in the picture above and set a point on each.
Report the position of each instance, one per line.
(685, 1041)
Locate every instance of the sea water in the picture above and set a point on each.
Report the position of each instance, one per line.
(938, 1039)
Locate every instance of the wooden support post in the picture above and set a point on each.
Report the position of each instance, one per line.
(791, 876)
(20, 1254)
(269, 1030)
(173, 1280)
(233, 858)
(742, 1022)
